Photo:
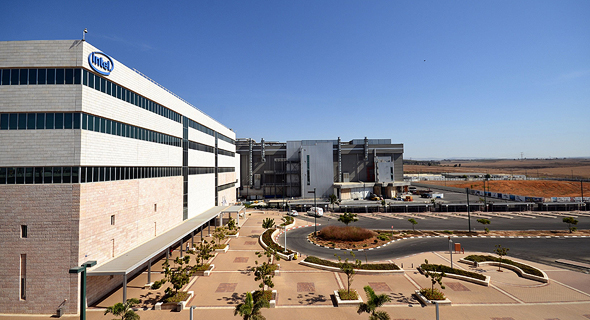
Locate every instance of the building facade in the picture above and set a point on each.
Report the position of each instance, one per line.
(350, 170)
(95, 159)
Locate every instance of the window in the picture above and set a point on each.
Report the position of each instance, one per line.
(32, 76)
(76, 124)
(59, 121)
(66, 174)
(49, 121)
(29, 175)
(14, 77)
(4, 121)
(69, 76)
(24, 76)
(67, 121)
(2, 175)
(23, 276)
(13, 121)
(50, 76)
(38, 175)
(42, 76)
(31, 121)
(59, 76)
(47, 175)
(20, 175)
(40, 120)
(23, 231)
(308, 175)
(112, 220)
(6, 77)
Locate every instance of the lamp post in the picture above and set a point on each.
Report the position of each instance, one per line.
(468, 212)
(82, 269)
(451, 250)
(315, 215)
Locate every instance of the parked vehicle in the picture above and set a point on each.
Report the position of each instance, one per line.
(293, 213)
(315, 211)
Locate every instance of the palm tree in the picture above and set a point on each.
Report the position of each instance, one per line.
(373, 302)
(124, 310)
(250, 309)
(268, 223)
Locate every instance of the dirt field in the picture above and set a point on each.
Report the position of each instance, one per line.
(552, 168)
(531, 188)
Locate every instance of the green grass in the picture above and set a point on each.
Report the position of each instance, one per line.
(180, 296)
(524, 268)
(266, 238)
(372, 266)
(447, 269)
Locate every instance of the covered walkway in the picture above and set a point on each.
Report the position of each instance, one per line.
(137, 257)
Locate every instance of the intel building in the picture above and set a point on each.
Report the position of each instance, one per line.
(101, 170)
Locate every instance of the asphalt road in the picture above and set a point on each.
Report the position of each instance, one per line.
(539, 250)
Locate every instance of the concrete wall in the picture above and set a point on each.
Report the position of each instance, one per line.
(321, 169)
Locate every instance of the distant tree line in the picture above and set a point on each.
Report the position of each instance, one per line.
(422, 163)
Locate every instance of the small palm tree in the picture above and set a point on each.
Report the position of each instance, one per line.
(268, 223)
(373, 302)
(124, 310)
(250, 309)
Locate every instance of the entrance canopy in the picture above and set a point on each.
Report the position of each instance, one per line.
(141, 254)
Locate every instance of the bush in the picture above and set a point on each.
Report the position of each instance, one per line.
(524, 268)
(345, 295)
(433, 294)
(257, 295)
(180, 296)
(345, 233)
(372, 266)
(201, 267)
(447, 269)
(266, 238)
(384, 237)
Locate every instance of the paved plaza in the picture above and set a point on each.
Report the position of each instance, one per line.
(307, 293)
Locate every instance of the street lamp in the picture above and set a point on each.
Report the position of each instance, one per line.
(451, 250)
(315, 215)
(468, 212)
(82, 269)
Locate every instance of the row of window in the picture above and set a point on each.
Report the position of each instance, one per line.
(226, 153)
(226, 186)
(47, 175)
(69, 120)
(106, 86)
(226, 169)
(200, 147)
(39, 76)
(92, 80)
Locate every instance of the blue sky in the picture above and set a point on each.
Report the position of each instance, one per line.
(500, 77)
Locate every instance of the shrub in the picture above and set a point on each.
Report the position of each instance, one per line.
(345, 295)
(266, 238)
(432, 294)
(524, 268)
(447, 269)
(345, 233)
(180, 296)
(383, 237)
(372, 266)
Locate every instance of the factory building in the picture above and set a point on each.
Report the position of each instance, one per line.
(98, 164)
(350, 170)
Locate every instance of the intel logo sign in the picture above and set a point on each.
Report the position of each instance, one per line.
(101, 63)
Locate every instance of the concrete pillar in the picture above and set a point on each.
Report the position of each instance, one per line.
(124, 287)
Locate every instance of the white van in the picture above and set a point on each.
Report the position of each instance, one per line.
(315, 211)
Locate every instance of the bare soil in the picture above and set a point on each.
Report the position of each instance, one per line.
(530, 188)
(537, 168)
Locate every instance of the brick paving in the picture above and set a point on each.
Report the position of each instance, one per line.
(310, 290)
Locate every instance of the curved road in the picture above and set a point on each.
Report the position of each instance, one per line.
(539, 250)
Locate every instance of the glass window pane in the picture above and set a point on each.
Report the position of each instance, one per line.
(56, 174)
(69, 76)
(31, 121)
(85, 77)
(75, 175)
(118, 92)
(38, 175)
(67, 174)
(84, 175)
(102, 125)
(59, 121)
(32, 76)
(4, 121)
(49, 121)
(5, 77)
(90, 122)
(22, 121)
(103, 85)
(76, 121)
(50, 76)
(40, 120)
(59, 76)
(24, 76)
(97, 124)
(91, 80)
(20, 175)
(77, 76)
(95, 174)
(14, 76)
(67, 121)
(47, 175)
(2, 175)
(42, 76)
(13, 124)
(109, 126)
(101, 174)
(29, 175)
(11, 176)
(96, 82)
(108, 87)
